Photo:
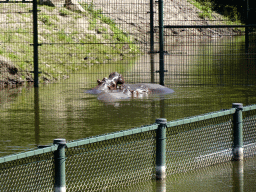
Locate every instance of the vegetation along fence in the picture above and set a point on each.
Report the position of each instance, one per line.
(122, 158)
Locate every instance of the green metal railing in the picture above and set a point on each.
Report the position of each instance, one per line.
(123, 158)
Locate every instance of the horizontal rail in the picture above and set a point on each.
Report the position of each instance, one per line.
(249, 108)
(7, 1)
(200, 118)
(207, 26)
(112, 135)
(28, 154)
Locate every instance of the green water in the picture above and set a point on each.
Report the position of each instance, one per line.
(64, 110)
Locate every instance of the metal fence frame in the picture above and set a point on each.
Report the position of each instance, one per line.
(152, 51)
(160, 127)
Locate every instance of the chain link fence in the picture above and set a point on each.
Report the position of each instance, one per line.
(126, 158)
(249, 131)
(189, 148)
(34, 173)
(112, 163)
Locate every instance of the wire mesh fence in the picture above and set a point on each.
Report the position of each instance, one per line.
(189, 148)
(112, 163)
(101, 33)
(249, 126)
(35, 173)
(129, 157)
(16, 40)
(116, 36)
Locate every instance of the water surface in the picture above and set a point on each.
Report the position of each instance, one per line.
(64, 110)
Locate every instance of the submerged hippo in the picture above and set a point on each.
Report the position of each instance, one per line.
(107, 84)
(114, 88)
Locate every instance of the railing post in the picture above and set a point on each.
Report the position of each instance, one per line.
(59, 160)
(160, 148)
(238, 132)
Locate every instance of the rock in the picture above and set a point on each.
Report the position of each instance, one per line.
(70, 4)
(29, 79)
(53, 3)
(12, 70)
(74, 5)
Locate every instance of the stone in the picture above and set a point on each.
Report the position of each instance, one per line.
(69, 4)
(74, 5)
(53, 3)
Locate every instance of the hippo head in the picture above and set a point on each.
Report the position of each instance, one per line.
(111, 82)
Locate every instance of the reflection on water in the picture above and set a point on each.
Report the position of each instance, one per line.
(233, 176)
(230, 176)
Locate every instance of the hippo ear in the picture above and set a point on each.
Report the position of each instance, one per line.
(98, 81)
(121, 79)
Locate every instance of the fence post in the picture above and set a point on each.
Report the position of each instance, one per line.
(160, 148)
(35, 42)
(59, 160)
(152, 49)
(161, 41)
(152, 27)
(246, 16)
(238, 132)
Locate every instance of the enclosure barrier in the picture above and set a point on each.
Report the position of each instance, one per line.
(119, 159)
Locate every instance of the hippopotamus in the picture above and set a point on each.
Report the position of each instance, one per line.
(107, 84)
(114, 88)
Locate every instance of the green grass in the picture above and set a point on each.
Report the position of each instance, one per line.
(65, 12)
(205, 7)
(48, 19)
(45, 19)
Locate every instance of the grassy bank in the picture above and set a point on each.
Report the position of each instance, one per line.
(70, 41)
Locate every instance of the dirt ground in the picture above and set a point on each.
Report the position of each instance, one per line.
(134, 18)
